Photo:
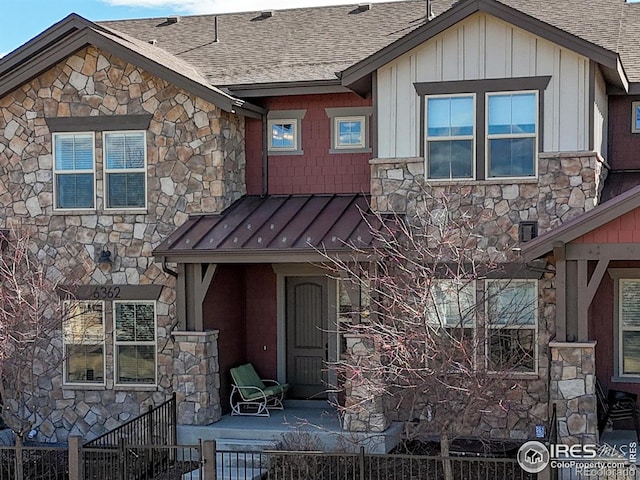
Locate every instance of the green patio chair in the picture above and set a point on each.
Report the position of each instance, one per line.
(250, 394)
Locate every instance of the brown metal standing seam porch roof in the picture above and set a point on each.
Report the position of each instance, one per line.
(274, 228)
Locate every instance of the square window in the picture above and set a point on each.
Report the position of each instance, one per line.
(84, 342)
(450, 128)
(135, 342)
(511, 134)
(125, 169)
(349, 132)
(74, 171)
(283, 135)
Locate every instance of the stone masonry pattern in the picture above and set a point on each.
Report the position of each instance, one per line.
(572, 389)
(568, 184)
(195, 164)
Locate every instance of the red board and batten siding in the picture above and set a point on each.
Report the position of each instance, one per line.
(317, 171)
(624, 229)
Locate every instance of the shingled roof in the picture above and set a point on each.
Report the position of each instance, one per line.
(313, 44)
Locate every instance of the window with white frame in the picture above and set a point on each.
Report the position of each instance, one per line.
(512, 311)
(452, 303)
(512, 119)
(450, 132)
(125, 169)
(84, 338)
(135, 342)
(349, 132)
(74, 173)
(283, 135)
(349, 129)
(629, 326)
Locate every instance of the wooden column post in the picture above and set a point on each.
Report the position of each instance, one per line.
(197, 279)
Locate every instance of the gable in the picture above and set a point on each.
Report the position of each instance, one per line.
(356, 74)
(624, 229)
(47, 49)
(480, 47)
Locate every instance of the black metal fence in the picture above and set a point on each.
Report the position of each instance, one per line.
(281, 465)
(34, 463)
(204, 462)
(143, 462)
(112, 454)
(155, 427)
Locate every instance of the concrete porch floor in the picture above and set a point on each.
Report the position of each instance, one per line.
(621, 438)
(313, 425)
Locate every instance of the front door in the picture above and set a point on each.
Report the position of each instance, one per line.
(307, 336)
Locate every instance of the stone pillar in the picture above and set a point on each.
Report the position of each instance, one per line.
(196, 377)
(573, 390)
(364, 409)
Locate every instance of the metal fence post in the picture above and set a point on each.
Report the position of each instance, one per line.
(75, 458)
(361, 457)
(209, 458)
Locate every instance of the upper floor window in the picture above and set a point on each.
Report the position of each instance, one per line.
(84, 342)
(74, 170)
(635, 117)
(135, 342)
(284, 135)
(482, 129)
(450, 136)
(349, 129)
(125, 169)
(349, 132)
(511, 134)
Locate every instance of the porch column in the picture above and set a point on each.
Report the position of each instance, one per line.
(196, 377)
(572, 389)
(193, 284)
(364, 406)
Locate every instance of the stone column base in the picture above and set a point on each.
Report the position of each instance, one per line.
(196, 377)
(572, 390)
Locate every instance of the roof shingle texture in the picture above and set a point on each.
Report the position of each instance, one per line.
(314, 43)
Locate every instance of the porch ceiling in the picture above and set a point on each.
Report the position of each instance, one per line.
(274, 228)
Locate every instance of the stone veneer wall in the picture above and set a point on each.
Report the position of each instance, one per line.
(568, 184)
(195, 164)
(572, 387)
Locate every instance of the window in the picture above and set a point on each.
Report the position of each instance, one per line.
(512, 307)
(125, 169)
(135, 342)
(450, 136)
(349, 132)
(511, 134)
(453, 304)
(84, 342)
(629, 326)
(74, 171)
(481, 129)
(284, 135)
(635, 117)
(349, 129)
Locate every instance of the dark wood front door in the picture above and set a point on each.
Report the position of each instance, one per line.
(307, 336)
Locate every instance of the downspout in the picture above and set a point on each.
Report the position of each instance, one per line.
(166, 269)
(265, 157)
